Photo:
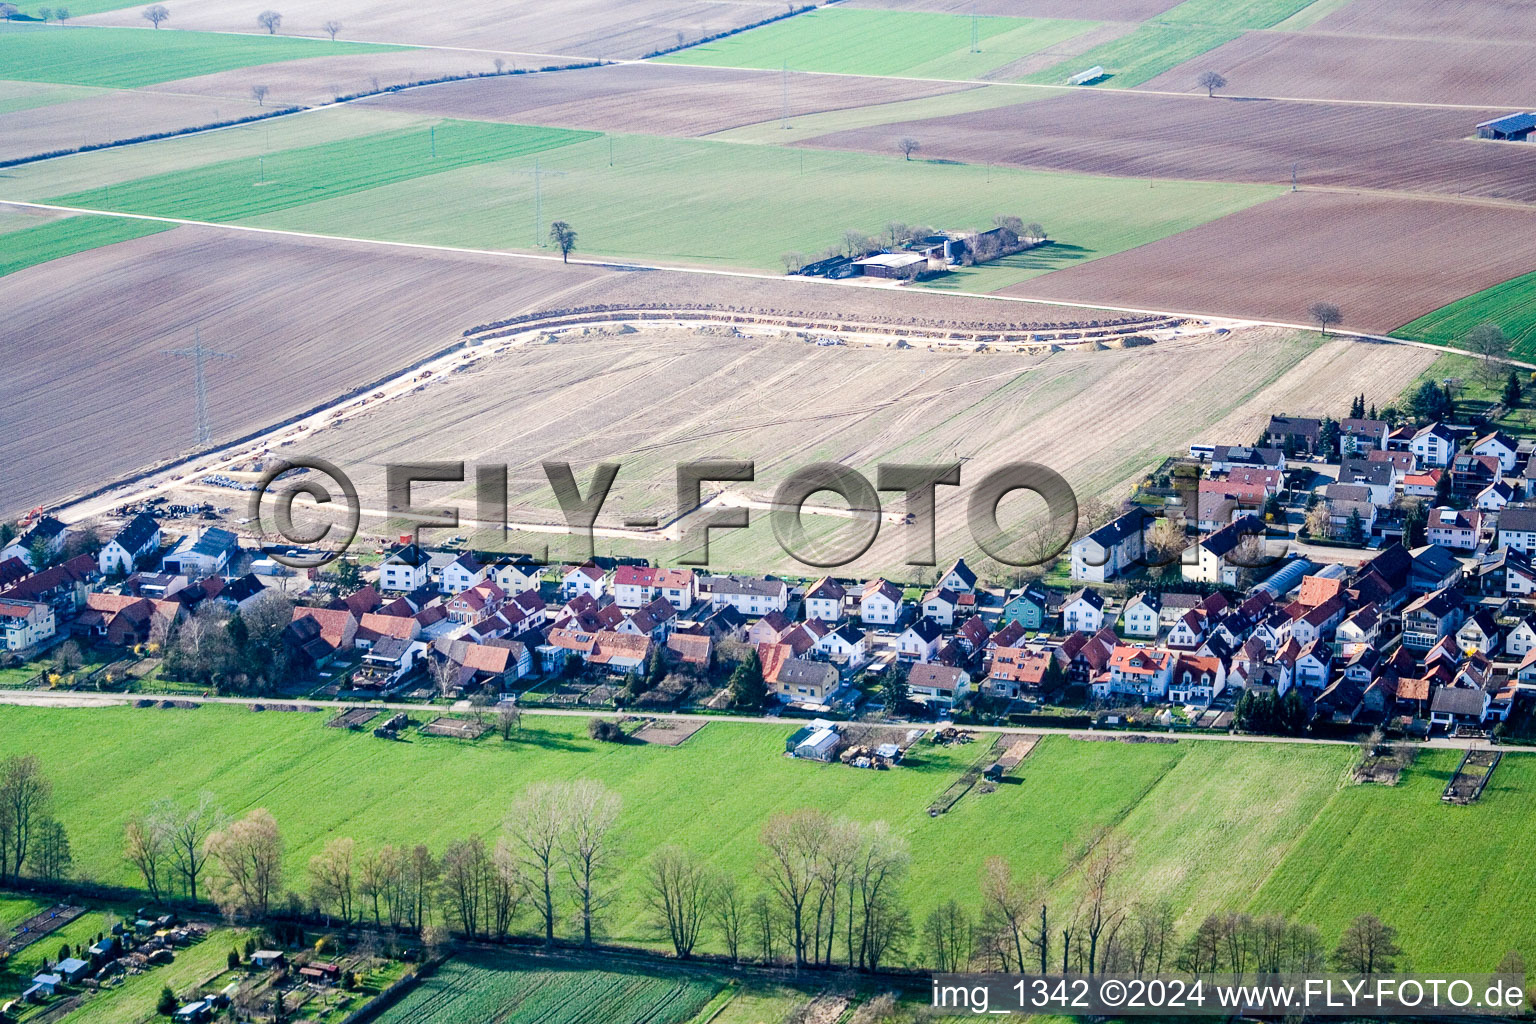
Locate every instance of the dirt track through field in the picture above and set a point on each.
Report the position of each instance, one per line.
(1384, 261)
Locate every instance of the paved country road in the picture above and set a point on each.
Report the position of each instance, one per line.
(92, 699)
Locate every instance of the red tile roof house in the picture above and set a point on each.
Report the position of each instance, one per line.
(939, 685)
(476, 603)
(338, 626)
(1018, 670)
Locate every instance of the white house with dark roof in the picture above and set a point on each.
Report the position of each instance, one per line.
(1216, 555)
(847, 645)
(1083, 611)
(406, 570)
(1143, 614)
(462, 573)
(1434, 445)
(578, 580)
(1501, 446)
(1113, 548)
(920, 641)
(518, 575)
(136, 540)
(1517, 528)
(957, 577)
(941, 685)
(46, 533)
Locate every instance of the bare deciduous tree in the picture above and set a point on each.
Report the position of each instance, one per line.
(1210, 81)
(186, 831)
(1325, 315)
(679, 892)
(259, 94)
(331, 28)
(330, 878)
(536, 823)
(249, 853)
(145, 847)
(1368, 946)
(509, 720)
(588, 846)
(25, 795)
(908, 146)
(269, 20)
(792, 845)
(156, 13)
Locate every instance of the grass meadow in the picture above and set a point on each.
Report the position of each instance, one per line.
(229, 191)
(28, 247)
(1209, 825)
(742, 207)
(913, 44)
(1142, 55)
(1511, 305)
(127, 58)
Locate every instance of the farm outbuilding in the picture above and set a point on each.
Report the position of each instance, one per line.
(1509, 128)
(893, 264)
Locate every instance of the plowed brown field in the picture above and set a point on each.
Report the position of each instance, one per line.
(1322, 66)
(653, 98)
(1507, 20)
(1383, 260)
(1121, 133)
(608, 29)
(90, 395)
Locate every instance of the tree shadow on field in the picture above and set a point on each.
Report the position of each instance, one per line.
(544, 740)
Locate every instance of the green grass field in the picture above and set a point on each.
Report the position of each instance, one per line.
(867, 42)
(30, 246)
(1142, 55)
(17, 96)
(684, 201)
(528, 990)
(240, 189)
(1232, 13)
(127, 58)
(1211, 826)
(1511, 305)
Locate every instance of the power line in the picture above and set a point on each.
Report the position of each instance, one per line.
(538, 197)
(200, 355)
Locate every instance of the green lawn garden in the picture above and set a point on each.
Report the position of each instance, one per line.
(1209, 825)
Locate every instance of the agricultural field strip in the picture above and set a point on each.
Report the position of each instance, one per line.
(87, 699)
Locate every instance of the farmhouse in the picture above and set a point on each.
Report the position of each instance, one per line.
(900, 266)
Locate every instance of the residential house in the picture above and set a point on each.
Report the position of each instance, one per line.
(1454, 529)
(1028, 607)
(1431, 617)
(1189, 632)
(620, 653)
(1502, 447)
(1454, 706)
(406, 570)
(824, 600)
(1083, 611)
(919, 641)
(462, 573)
(475, 603)
(46, 536)
(846, 645)
(880, 603)
(1480, 633)
(1434, 446)
(1294, 433)
(587, 580)
(958, 578)
(1314, 664)
(769, 628)
(1228, 458)
(1143, 615)
(1312, 624)
(25, 624)
(1348, 505)
(1219, 556)
(940, 605)
(1381, 479)
(941, 685)
(1113, 548)
(1495, 496)
(752, 596)
(1433, 567)
(1137, 671)
(1017, 671)
(1362, 628)
(136, 541)
(517, 575)
(1517, 528)
(656, 620)
(1196, 678)
(1357, 436)
(1521, 639)
(694, 650)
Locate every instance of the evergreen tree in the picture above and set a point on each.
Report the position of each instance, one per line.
(1512, 393)
(748, 690)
